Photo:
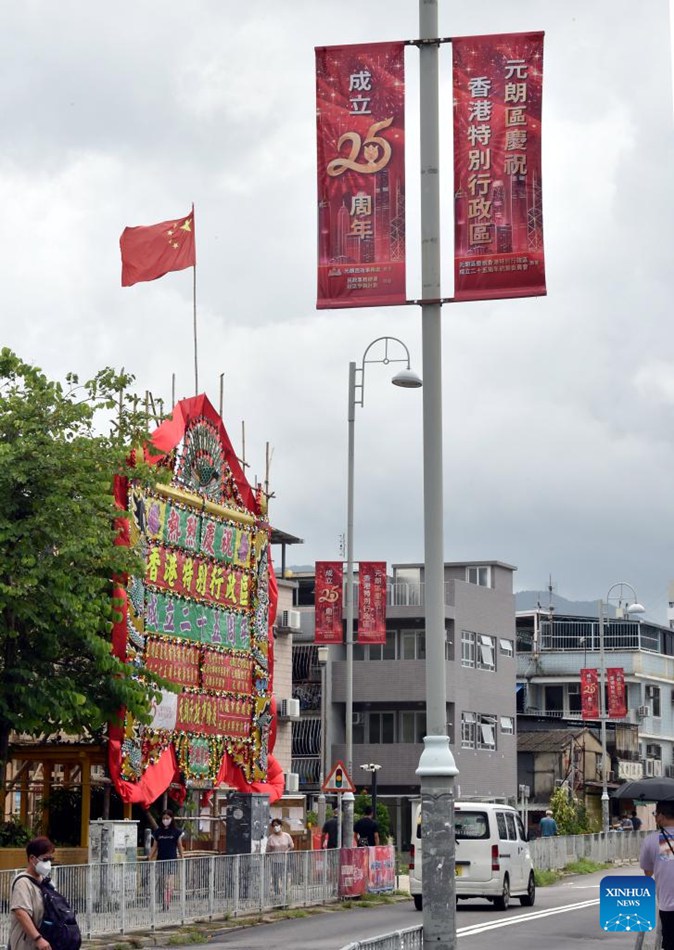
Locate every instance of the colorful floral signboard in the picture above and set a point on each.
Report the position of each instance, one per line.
(200, 617)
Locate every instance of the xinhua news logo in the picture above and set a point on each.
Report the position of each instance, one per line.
(627, 904)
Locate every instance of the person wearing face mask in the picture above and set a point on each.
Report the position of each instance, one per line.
(278, 843)
(27, 905)
(167, 847)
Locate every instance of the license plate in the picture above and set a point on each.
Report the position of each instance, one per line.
(458, 870)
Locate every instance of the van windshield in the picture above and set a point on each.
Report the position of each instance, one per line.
(471, 824)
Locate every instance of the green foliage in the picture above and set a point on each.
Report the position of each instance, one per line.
(585, 866)
(382, 817)
(58, 556)
(13, 834)
(569, 813)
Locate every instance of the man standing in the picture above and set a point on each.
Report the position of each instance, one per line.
(366, 830)
(657, 861)
(548, 825)
(330, 833)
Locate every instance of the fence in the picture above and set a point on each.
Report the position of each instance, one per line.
(410, 939)
(120, 898)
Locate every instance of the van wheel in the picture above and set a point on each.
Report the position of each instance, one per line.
(418, 902)
(528, 900)
(503, 902)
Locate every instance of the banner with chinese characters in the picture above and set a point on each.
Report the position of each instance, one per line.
(200, 615)
(371, 602)
(589, 694)
(498, 216)
(615, 687)
(360, 98)
(328, 599)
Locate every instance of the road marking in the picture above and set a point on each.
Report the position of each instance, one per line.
(522, 918)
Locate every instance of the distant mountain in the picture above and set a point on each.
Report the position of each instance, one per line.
(531, 599)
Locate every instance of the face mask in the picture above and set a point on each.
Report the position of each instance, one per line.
(276, 828)
(166, 822)
(43, 868)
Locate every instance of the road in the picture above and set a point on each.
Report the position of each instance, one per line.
(565, 916)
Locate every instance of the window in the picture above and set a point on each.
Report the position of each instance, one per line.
(384, 651)
(467, 730)
(486, 735)
(479, 575)
(574, 697)
(407, 586)
(505, 647)
(478, 731)
(381, 727)
(653, 693)
(507, 726)
(512, 827)
(412, 726)
(412, 645)
(467, 648)
(449, 650)
(485, 656)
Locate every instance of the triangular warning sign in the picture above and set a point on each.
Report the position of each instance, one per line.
(338, 780)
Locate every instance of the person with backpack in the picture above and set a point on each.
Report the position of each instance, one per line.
(26, 906)
(366, 830)
(41, 918)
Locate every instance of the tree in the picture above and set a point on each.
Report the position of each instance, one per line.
(570, 815)
(383, 818)
(58, 553)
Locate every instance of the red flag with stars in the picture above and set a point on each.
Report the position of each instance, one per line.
(150, 252)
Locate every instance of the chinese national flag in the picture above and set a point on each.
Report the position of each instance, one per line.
(150, 252)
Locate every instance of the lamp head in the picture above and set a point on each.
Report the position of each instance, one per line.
(407, 379)
(636, 608)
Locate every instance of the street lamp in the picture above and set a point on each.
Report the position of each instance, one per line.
(373, 769)
(323, 654)
(408, 380)
(633, 608)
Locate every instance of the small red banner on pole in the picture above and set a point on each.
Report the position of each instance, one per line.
(328, 602)
(372, 602)
(498, 217)
(360, 99)
(615, 682)
(589, 694)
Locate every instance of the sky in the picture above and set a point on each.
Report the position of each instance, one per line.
(558, 411)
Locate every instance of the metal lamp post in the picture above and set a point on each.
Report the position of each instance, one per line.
(408, 380)
(634, 608)
(323, 654)
(373, 768)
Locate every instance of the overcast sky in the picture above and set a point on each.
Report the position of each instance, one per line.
(558, 411)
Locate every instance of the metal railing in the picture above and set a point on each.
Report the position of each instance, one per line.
(120, 898)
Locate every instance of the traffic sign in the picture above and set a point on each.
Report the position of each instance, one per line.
(338, 780)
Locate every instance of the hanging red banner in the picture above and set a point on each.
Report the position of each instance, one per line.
(328, 602)
(360, 99)
(589, 694)
(372, 602)
(615, 683)
(498, 217)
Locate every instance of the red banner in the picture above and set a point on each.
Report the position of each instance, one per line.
(615, 682)
(589, 694)
(328, 602)
(360, 99)
(353, 871)
(372, 602)
(381, 872)
(498, 217)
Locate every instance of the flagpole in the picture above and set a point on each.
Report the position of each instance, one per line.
(194, 302)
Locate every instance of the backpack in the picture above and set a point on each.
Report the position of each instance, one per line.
(59, 925)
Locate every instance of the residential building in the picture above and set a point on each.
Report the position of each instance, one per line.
(551, 651)
(389, 689)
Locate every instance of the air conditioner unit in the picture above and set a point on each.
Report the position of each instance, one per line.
(643, 711)
(289, 620)
(292, 782)
(289, 709)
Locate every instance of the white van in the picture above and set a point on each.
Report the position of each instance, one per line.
(492, 858)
